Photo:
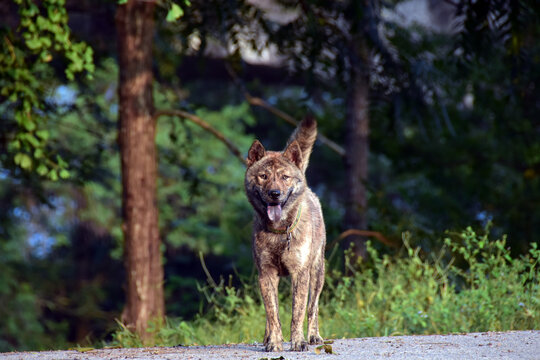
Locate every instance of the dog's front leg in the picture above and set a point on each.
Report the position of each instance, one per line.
(268, 282)
(300, 288)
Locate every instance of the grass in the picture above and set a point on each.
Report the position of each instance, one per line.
(471, 285)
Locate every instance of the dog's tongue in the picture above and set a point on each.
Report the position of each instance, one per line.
(274, 212)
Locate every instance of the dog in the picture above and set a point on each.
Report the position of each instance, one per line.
(289, 235)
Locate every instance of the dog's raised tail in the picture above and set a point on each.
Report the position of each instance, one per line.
(305, 134)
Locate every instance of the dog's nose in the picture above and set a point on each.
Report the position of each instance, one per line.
(274, 194)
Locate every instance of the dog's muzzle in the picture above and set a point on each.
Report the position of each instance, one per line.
(274, 206)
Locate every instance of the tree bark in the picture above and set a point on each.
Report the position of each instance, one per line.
(357, 148)
(137, 130)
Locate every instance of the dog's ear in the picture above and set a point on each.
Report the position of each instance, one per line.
(293, 153)
(256, 152)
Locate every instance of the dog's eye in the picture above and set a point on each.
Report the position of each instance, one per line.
(263, 176)
(284, 177)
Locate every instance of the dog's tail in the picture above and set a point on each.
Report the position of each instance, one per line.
(305, 134)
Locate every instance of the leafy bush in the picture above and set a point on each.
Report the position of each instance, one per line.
(471, 285)
(480, 289)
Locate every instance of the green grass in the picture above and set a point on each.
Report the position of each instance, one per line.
(471, 285)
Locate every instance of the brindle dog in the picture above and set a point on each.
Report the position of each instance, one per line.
(288, 234)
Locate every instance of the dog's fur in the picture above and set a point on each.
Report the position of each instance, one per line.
(276, 187)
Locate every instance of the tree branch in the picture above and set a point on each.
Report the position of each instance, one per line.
(374, 234)
(206, 126)
(256, 101)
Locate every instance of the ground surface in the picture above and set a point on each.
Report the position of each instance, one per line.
(489, 345)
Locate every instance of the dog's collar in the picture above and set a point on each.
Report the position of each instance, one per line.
(289, 229)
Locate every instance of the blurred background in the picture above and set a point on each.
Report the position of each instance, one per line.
(430, 106)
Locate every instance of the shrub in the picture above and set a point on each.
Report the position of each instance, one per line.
(488, 290)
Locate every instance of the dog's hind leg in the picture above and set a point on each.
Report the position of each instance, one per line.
(316, 283)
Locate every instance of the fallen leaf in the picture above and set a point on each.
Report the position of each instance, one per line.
(327, 349)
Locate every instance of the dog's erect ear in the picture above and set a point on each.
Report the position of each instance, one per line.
(293, 153)
(256, 152)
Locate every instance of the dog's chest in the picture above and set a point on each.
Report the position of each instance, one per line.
(298, 253)
(288, 257)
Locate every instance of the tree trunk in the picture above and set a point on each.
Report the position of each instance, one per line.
(137, 129)
(357, 149)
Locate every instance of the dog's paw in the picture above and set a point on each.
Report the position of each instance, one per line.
(273, 346)
(315, 340)
(301, 345)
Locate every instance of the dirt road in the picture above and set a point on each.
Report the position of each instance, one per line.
(491, 345)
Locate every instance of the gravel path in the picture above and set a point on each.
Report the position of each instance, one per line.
(489, 345)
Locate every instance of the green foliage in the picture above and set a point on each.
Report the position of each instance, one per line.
(412, 295)
(20, 327)
(26, 74)
(469, 151)
(235, 315)
(201, 204)
(471, 285)
(176, 12)
(201, 199)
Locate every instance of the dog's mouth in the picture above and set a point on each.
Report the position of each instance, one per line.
(274, 209)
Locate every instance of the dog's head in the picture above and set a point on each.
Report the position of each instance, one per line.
(274, 180)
